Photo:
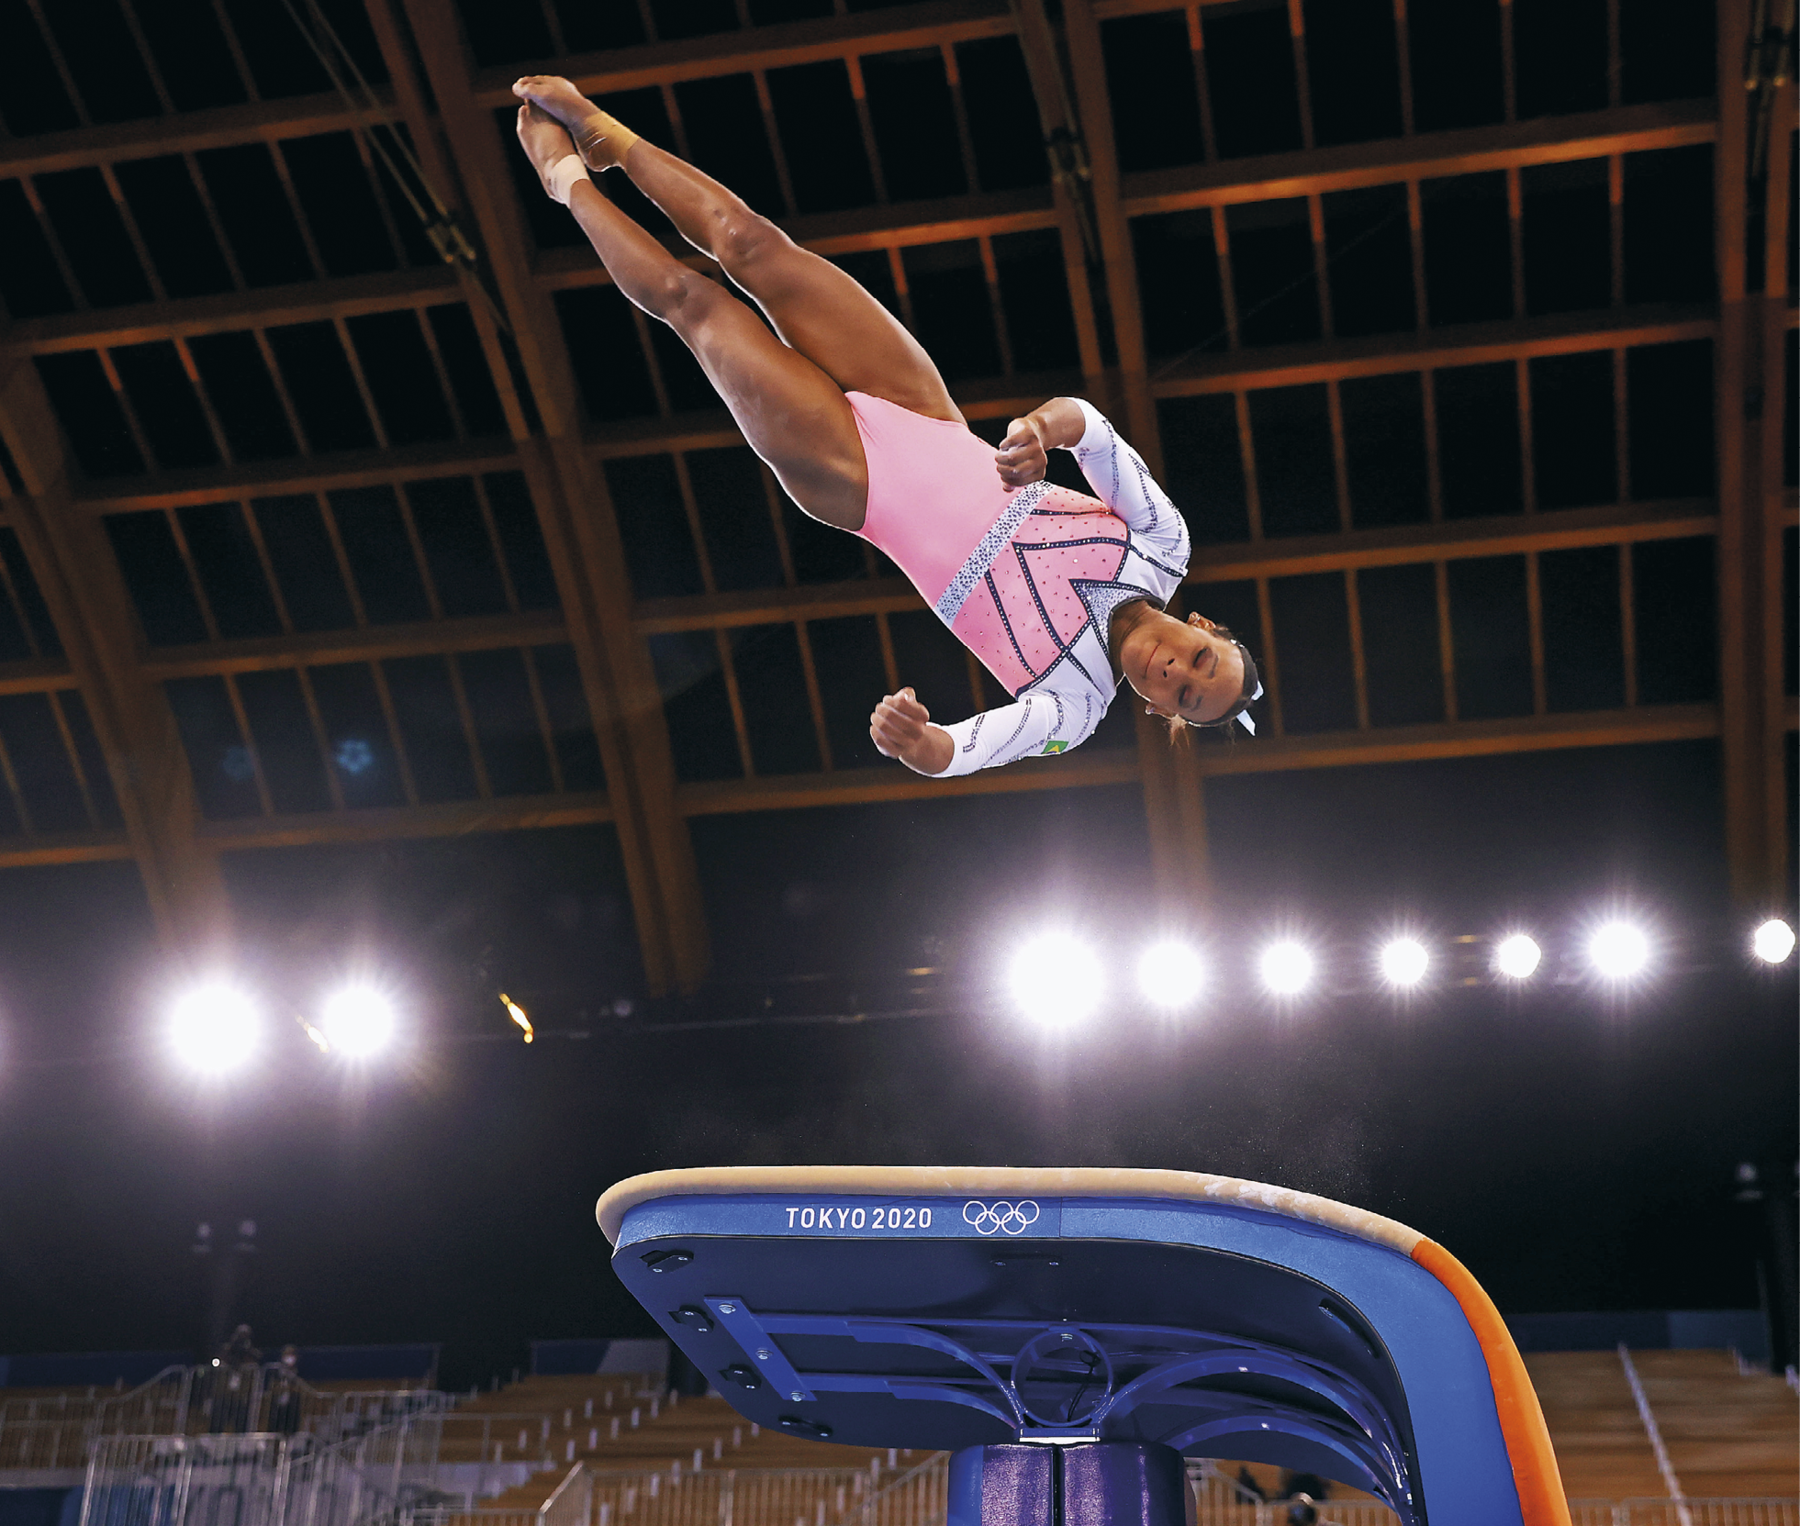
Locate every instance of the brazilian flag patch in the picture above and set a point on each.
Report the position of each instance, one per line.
(1054, 746)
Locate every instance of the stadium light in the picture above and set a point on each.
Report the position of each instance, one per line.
(1404, 962)
(1287, 968)
(357, 1021)
(1055, 979)
(1618, 951)
(215, 1028)
(1773, 942)
(1518, 957)
(1171, 974)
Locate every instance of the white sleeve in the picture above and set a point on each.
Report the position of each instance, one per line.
(1119, 477)
(1043, 723)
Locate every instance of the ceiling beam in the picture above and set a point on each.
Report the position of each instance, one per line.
(1751, 745)
(581, 532)
(458, 818)
(85, 593)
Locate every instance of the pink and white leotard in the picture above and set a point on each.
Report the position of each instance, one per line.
(1026, 578)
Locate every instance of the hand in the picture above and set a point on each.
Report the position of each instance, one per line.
(897, 725)
(1022, 457)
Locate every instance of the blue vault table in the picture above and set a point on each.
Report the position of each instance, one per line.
(1070, 1335)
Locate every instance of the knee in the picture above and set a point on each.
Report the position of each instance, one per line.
(744, 238)
(681, 297)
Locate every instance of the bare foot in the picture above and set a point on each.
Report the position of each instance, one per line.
(545, 142)
(600, 140)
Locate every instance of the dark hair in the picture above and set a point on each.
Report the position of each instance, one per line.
(1179, 725)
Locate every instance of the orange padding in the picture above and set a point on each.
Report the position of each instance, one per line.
(1535, 1474)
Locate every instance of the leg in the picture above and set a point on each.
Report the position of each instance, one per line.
(794, 415)
(814, 306)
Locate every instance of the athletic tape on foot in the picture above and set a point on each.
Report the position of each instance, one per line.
(563, 175)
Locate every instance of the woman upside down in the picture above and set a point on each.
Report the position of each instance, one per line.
(1059, 595)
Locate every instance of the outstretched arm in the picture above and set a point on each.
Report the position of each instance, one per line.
(901, 728)
(1039, 725)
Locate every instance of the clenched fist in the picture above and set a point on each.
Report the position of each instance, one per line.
(1022, 457)
(900, 727)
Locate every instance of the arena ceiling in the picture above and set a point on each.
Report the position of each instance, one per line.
(1462, 331)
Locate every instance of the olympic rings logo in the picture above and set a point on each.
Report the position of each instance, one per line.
(1001, 1217)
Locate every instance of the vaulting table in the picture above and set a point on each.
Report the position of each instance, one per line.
(1070, 1336)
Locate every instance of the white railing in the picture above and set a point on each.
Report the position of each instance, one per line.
(261, 1479)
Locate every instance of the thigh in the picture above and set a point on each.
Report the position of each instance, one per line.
(831, 319)
(794, 415)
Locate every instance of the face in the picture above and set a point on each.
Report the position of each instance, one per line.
(1189, 670)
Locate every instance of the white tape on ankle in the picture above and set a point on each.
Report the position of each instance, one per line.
(563, 175)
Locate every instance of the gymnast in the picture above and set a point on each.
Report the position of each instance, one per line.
(1058, 594)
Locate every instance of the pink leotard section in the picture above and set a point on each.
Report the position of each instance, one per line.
(934, 495)
(933, 490)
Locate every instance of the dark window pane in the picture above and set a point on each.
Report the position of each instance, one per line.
(1155, 100)
(166, 405)
(816, 117)
(156, 578)
(30, 283)
(521, 541)
(1295, 480)
(603, 347)
(915, 124)
(1250, 80)
(847, 654)
(339, 204)
(1478, 440)
(104, 61)
(93, 237)
(934, 664)
(1669, 400)
(499, 34)
(1400, 644)
(1384, 449)
(951, 309)
(285, 745)
(693, 18)
(1491, 635)
(356, 732)
(776, 712)
(821, 554)
(1178, 282)
(467, 369)
(224, 773)
(1584, 656)
(1560, 48)
(431, 727)
(725, 134)
(1272, 272)
(173, 222)
(229, 568)
(191, 53)
(33, 97)
(299, 549)
(1575, 455)
(659, 547)
(1312, 633)
(565, 701)
(1669, 52)
(1567, 237)
(506, 722)
(1353, 69)
(246, 193)
(1454, 49)
(1674, 587)
(401, 377)
(701, 735)
(457, 548)
(33, 609)
(243, 396)
(89, 412)
(41, 763)
(1003, 119)
(1468, 249)
(1034, 295)
(380, 554)
(91, 758)
(735, 518)
(1369, 246)
(1204, 466)
(1668, 230)
(323, 388)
